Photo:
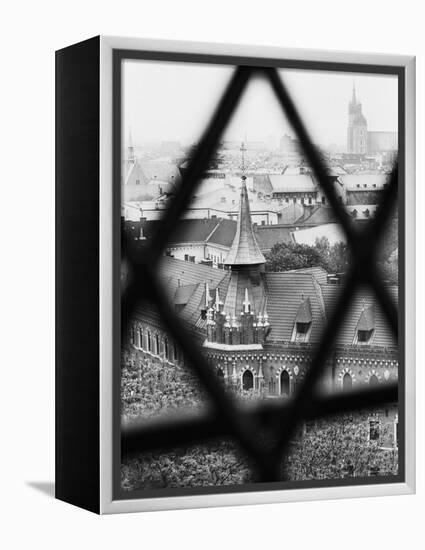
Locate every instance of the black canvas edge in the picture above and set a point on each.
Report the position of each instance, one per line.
(77, 462)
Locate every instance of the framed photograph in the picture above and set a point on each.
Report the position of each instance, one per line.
(235, 275)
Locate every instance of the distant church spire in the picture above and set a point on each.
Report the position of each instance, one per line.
(357, 126)
(244, 249)
(130, 148)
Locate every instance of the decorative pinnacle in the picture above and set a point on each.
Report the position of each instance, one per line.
(207, 295)
(246, 302)
(217, 300)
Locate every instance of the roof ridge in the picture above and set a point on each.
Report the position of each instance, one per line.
(214, 230)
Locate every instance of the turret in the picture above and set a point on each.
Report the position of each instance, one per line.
(244, 250)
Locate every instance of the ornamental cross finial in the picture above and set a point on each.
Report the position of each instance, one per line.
(243, 149)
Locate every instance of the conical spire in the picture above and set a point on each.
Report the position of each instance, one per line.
(244, 249)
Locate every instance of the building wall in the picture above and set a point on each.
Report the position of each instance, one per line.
(182, 252)
(259, 217)
(297, 197)
(217, 253)
(277, 370)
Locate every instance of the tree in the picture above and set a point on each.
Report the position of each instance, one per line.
(340, 448)
(287, 256)
(212, 464)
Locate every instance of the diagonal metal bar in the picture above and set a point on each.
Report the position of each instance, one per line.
(167, 433)
(310, 151)
(291, 419)
(360, 242)
(371, 241)
(224, 405)
(199, 163)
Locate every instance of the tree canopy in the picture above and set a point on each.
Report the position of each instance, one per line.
(287, 256)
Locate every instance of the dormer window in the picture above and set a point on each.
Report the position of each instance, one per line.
(365, 327)
(303, 322)
(364, 336)
(302, 328)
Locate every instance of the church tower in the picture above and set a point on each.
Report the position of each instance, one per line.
(357, 127)
(130, 149)
(239, 317)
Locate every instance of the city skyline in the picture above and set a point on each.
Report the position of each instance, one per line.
(174, 102)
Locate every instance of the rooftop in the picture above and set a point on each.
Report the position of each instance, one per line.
(297, 183)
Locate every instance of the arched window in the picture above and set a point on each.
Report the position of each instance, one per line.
(156, 344)
(220, 374)
(373, 380)
(133, 333)
(248, 380)
(166, 348)
(284, 383)
(347, 382)
(149, 342)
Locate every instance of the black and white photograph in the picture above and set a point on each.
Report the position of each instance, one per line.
(253, 270)
(212, 295)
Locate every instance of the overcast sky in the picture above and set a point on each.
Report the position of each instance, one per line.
(174, 101)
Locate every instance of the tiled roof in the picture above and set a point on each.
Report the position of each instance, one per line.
(318, 216)
(291, 213)
(188, 273)
(224, 233)
(287, 297)
(183, 293)
(220, 231)
(364, 298)
(269, 235)
(197, 230)
(286, 291)
(244, 249)
(320, 274)
(297, 183)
